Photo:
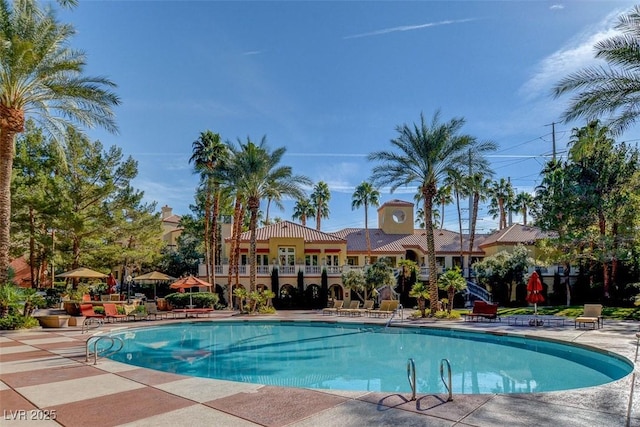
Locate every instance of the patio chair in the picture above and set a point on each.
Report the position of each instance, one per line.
(152, 310)
(111, 312)
(366, 308)
(337, 305)
(133, 314)
(349, 311)
(592, 315)
(384, 308)
(90, 316)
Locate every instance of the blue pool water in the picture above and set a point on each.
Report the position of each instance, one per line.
(365, 357)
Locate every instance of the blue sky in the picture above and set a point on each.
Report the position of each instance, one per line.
(330, 81)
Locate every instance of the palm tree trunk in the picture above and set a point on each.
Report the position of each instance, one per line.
(472, 226)
(366, 228)
(32, 247)
(428, 191)
(214, 233)
(207, 239)
(460, 230)
(254, 205)
(235, 230)
(7, 136)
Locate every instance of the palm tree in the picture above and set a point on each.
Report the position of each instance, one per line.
(501, 200)
(320, 201)
(209, 154)
(426, 154)
(365, 195)
(259, 170)
(273, 196)
(522, 204)
(455, 180)
(478, 188)
(612, 91)
(42, 77)
(302, 210)
(443, 197)
(452, 282)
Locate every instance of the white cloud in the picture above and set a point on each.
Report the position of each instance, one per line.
(408, 28)
(573, 56)
(557, 7)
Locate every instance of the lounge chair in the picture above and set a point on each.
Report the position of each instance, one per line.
(592, 315)
(337, 305)
(152, 310)
(349, 311)
(133, 314)
(90, 316)
(387, 308)
(111, 312)
(368, 306)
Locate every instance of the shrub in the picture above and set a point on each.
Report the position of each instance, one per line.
(18, 321)
(200, 299)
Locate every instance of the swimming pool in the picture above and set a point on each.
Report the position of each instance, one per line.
(366, 357)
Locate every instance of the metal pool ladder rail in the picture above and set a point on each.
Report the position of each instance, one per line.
(107, 351)
(447, 384)
(411, 376)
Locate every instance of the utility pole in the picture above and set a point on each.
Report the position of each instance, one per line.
(553, 139)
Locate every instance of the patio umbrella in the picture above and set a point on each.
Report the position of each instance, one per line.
(534, 289)
(188, 283)
(82, 273)
(154, 276)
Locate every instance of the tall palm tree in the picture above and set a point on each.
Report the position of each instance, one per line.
(522, 204)
(501, 200)
(273, 196)
(302, 210)
(478, 185)
(612, 91)
(455, 181)
(320, 201)
(424, 154)
(209, 154)
(260, 171)
(40, 76)
(443, 197)
(365, 195)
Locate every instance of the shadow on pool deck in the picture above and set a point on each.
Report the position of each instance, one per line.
(44, 375)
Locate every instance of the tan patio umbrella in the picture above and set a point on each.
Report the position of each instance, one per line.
(82, 273)
(154, 276)
(190, 282)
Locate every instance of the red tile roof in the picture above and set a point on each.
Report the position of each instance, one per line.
(445, 241)
(288, 229)
(516, 233)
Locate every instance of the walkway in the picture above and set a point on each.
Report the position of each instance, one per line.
(44, 375)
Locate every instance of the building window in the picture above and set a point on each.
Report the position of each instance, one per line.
(352, 260)
(287, 256)
(262, 259)
(333, 260)
(311, 259)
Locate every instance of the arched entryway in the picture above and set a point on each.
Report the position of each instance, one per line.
(313, 297)
(335, 293)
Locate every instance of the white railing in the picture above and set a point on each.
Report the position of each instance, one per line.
(312, 269)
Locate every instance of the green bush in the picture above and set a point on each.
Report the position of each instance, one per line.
(200, 299)
(18, 321)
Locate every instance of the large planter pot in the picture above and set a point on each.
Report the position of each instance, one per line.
(76, 320)
(71, 308)
(54, 321)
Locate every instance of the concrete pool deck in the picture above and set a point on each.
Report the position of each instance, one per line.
(43, 374)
